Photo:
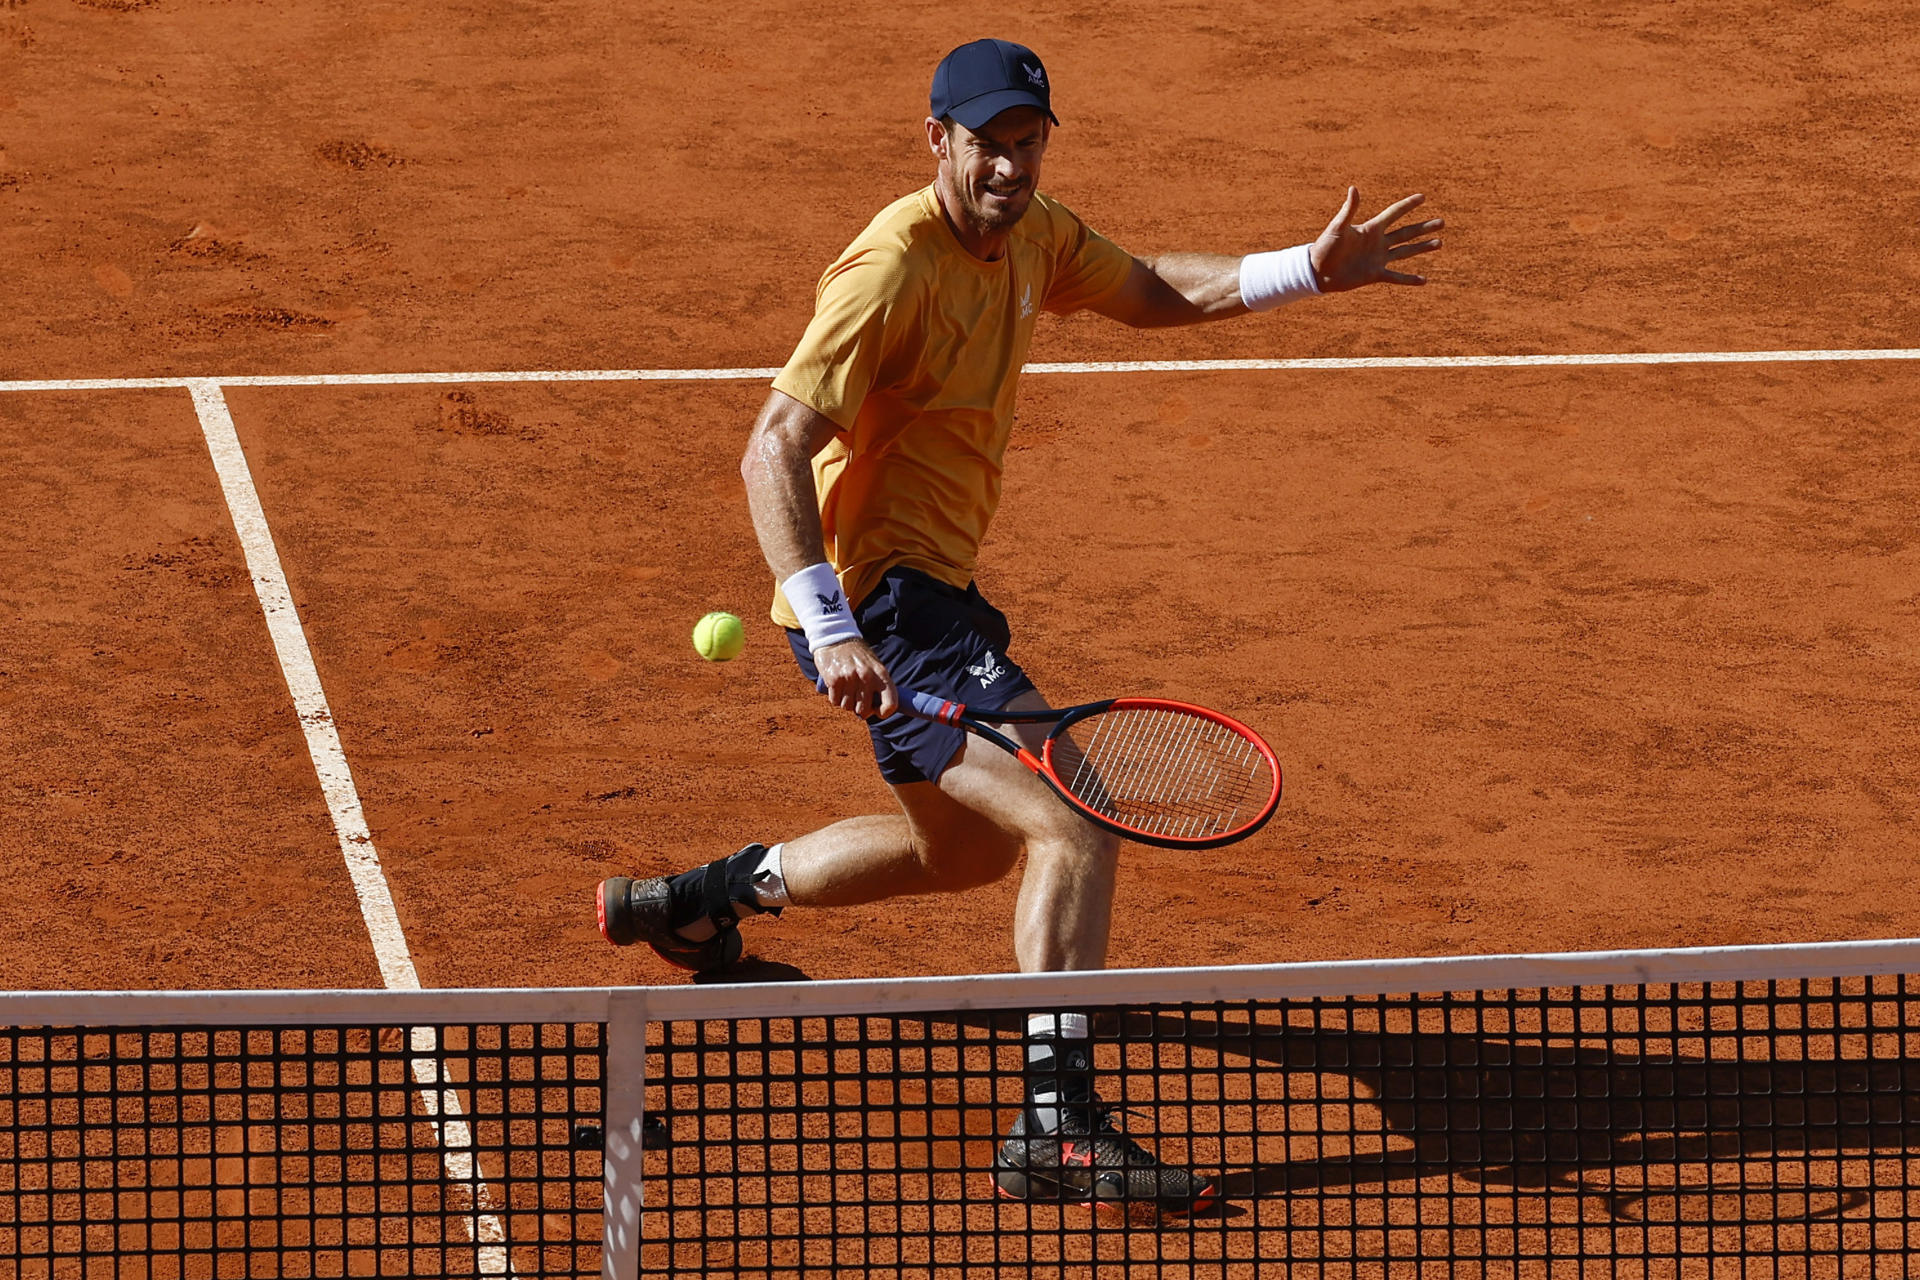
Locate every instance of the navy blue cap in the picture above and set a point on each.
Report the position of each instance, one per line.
(977, 81)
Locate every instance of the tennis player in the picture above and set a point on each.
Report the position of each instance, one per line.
(872, 473)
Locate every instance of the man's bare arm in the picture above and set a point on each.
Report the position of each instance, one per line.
(1188, 288)
(778, 470)
(1176, 289)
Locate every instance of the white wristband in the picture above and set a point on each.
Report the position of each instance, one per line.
(815, 597)
(1269, 280)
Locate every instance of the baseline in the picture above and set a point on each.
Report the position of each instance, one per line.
(1330, 364)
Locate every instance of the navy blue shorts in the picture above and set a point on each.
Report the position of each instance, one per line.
(937, 639)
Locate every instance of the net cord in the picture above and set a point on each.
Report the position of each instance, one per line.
(989, 991)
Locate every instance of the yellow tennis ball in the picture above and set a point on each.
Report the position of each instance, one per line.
(719, 637)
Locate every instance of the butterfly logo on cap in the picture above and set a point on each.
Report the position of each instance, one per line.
(1035, 74)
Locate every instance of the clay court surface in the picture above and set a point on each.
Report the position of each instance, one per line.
(1555, 658)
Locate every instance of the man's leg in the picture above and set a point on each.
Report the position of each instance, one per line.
(1065, 908)
(967, 830)
(934, 844)
(1065, 1145)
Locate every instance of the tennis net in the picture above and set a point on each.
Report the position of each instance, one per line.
(1711, 1112)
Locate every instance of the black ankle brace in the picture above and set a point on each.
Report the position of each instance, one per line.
(715, 890)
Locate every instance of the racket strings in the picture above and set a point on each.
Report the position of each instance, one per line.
(1163, 771)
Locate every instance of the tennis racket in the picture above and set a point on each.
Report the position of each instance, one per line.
(1157, 772)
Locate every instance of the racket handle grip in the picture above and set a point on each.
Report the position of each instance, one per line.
(928, 707)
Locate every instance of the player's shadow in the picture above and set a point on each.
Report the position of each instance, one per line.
(1518, 1113)
(753, 969)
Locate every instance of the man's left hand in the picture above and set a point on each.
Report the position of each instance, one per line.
(1348, 256)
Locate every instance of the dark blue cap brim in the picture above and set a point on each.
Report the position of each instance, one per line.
(977, 111)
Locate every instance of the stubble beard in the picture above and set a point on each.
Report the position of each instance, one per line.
(994, 218)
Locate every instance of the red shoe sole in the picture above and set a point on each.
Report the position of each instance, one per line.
(600, 911)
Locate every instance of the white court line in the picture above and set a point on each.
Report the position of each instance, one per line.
(1095, 366)
(451, 1129)
(303, 682)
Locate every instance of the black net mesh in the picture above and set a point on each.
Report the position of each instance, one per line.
(1759, 1128)
(203, 1153)
(1678, 1130)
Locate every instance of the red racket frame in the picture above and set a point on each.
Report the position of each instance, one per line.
(926, 706)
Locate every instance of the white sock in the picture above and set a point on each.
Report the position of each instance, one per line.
(769, 886)
(1063, 1026)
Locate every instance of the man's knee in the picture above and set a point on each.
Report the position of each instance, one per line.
(1074, 839)
(1050, 823)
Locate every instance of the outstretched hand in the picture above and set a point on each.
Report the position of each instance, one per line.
(1348, 256)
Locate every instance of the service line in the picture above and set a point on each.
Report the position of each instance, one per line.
(1325, 365)
(441, 1102)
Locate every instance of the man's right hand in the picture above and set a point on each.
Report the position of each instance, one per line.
(855, 680)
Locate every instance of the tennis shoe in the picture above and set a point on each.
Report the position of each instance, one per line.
(654, 910)
(1088, 1160)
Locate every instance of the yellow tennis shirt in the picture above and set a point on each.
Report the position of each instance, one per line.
(913, 352)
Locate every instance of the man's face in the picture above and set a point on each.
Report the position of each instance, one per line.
(991, 173)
